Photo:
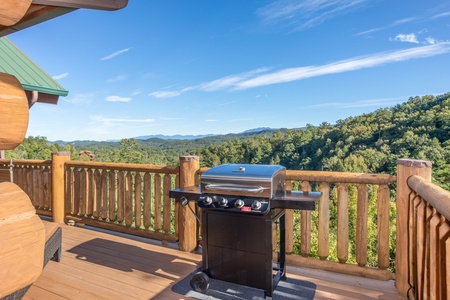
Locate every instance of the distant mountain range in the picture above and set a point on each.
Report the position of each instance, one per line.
(172, 142)
(194, 137)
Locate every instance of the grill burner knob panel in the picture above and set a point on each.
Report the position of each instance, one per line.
(206, 200)
(256, 205)
(223, 202)
(239, 203)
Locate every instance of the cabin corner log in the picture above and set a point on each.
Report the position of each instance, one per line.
(23, 240)
(14, 112)
(12, 11)
(405, 169)
(186, 219)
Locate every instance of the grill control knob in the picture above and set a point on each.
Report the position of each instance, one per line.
(256, 205)
(223, 201)
(206, 200)
(239, 203)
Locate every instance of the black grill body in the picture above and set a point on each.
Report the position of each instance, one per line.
(240, 204)
(238, 248)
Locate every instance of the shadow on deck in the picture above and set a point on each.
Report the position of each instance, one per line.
(98, 264)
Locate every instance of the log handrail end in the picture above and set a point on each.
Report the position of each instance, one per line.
(416, 163)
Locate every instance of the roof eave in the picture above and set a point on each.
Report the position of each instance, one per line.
(45, 90)
(91, 4)
(38, 15)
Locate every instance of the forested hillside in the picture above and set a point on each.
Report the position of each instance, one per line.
(418, 128)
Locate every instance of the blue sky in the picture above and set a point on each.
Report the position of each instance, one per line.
(225, 66)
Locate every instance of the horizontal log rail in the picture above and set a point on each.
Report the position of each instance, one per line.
(34, 178)
(428, 240)
(129, 198)
(340, 186)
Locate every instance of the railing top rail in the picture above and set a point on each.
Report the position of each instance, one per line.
(436, 196)
(32, 162)
(124, 167)
(341, 177)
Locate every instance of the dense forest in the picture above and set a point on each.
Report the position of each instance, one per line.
(418, 128)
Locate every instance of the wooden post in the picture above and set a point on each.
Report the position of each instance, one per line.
(58, 185)
(405, 169)
(187, 221)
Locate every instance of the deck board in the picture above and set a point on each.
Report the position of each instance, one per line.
(98, 264)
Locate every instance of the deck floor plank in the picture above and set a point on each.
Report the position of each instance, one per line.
(97, 264)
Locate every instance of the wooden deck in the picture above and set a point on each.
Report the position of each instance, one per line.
(104, 265)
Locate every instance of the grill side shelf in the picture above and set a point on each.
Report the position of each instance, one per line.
(190, 192)
(296, 200)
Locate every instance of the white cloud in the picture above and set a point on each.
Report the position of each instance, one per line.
(61, 76)
(80, 98)
(136, 92)
(117, 99)
(115, 121)
(115, 54)
(165, 94)
(305, 14)
(441, 15)
(393, 24)
(430, 40)
(352, 64)
(230, 81)
(361, 103)
(117, 78)
(170, 94)
(253, 79)
(408, 38)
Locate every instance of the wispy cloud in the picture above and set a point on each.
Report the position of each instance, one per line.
(117, 78)
(353, 64)
(391, 25)
(136, 92)
(361, 103)
(115, 121)
(80, 98)
(170, 94)
(441, 15)
(301, 15)
(408, 38)
(117, 99)
(230, 81)
(112, 55)
(256, 79)
(61, 76)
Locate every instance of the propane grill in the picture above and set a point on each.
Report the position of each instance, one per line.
(239, 205)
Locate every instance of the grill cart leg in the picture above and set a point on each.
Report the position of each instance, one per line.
(200, 282)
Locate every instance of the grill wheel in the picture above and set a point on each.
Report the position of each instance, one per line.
(200, 282)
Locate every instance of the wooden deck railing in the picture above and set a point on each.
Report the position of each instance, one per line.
(428, 240)
(339, 184)
(34, 177)
(303, 223)
(130, 198)
(133, 198)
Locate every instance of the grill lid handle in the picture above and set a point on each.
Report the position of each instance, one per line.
(250, 189)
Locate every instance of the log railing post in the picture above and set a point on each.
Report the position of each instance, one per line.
(58, 185)
(187, 222)
(405, 169)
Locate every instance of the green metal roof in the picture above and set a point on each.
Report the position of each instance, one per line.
(32, 78)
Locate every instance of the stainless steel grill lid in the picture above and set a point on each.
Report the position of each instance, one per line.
(244, 180)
